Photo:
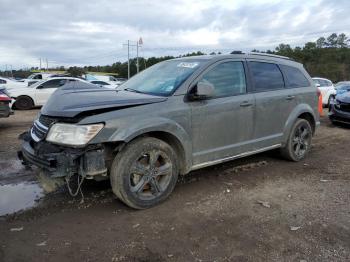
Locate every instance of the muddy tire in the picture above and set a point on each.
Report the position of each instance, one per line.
(24, 103)
(144, 173)
(299, 141)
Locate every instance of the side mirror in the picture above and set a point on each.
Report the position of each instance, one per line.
(40, 87)
(202, 91)
(317, 85)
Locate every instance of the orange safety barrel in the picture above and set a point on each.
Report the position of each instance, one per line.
(320, 105)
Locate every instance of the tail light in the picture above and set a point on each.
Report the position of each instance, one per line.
(4, 97)
(318, 92)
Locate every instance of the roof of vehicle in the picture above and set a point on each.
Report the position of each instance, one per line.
(321, 78)
(343, 82)
(251, 55)
(63, 77)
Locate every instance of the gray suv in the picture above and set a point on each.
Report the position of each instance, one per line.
(177, 116)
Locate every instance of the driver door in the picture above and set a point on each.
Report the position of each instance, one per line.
(222, 125)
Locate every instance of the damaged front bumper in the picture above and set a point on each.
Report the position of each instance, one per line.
(59, 161)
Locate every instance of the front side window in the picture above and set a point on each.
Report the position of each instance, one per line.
(266, 76)
(161, 79)
(227, 78)
(55, 83)
(38, 77)
(294, 77)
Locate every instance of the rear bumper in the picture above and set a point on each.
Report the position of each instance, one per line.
(5, 110)
(62, 162)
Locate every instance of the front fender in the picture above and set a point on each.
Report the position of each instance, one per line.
(293, 116)
(129, 131)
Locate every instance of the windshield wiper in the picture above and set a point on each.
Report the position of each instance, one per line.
(133, 90)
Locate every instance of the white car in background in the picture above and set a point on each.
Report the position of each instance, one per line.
(103, 84)
(327, 89)
(36, 77)
(11, 84)
(105, 78)
(38, 93)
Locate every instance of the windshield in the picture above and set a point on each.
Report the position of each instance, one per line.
(162, 79)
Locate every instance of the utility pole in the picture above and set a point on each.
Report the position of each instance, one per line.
(40, 63)
(128, 59)
(47, 65)
(138, 44)
(137, 57)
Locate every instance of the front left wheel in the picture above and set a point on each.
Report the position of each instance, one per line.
(144, 173)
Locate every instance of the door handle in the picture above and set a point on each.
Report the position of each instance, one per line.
(246, 103)
(290, 97)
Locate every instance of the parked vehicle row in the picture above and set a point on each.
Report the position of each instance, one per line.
(327, 89)
(176, 116)
(339, 109)
(38, 93)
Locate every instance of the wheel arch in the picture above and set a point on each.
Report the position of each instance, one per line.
(167, 131)
(22, 96)
(302, 111)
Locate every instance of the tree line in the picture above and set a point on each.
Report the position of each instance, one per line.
(327, 57)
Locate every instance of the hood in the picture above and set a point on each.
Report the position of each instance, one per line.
(81, 98)
(344, 98)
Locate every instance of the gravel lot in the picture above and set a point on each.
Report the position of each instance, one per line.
(260, 208)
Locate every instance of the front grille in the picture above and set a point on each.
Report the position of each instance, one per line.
(344, 107)
(38, 131)
(46, 120)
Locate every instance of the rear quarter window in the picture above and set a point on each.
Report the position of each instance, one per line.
(294, 77)
(266, 76)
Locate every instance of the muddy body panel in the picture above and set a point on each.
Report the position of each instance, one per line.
(203, 131)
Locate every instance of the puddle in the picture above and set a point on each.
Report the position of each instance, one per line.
(17, 197)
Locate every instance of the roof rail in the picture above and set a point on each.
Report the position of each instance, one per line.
(271, 55)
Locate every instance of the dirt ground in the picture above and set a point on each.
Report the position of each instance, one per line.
(260, 208)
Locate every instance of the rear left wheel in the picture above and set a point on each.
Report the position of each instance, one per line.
(144, 173)
(299, 141)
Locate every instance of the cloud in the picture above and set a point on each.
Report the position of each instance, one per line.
(84, 32)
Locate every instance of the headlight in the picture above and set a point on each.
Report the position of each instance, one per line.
(74, 135)
(336, 104)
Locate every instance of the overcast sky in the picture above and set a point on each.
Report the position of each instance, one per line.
(85, 32)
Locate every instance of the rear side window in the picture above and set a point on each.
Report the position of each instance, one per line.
(227, 78)
(322, 82)
(2, 81)
(294, 77)
(266, 76)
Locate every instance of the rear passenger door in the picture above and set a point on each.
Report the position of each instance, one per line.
(274, 102)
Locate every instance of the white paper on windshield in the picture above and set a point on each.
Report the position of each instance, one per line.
(187, 65)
